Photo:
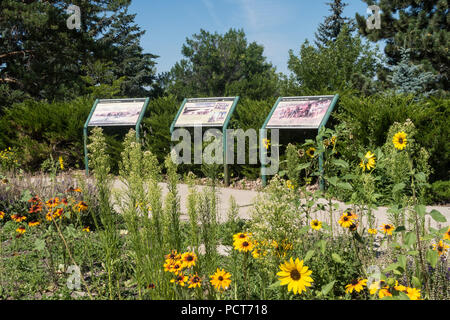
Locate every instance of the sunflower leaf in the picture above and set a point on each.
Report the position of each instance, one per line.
(437, 216)
(308, 256)
(432, 258)
(274, 285)
(398, 187)
(337, 258)
(327, 288)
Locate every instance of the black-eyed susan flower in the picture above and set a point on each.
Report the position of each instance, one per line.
(18, 217)
(21, 230)
(282, 248)
(440, 247)
(311, 152)
(173, 256)
(2, 215)
(34, 223)
(350, 213)
(372, 231)
(413, 293)
(243, 245)
(381, 288)
(81, 206)
(241, 236)
(399, 287)
(289, 185)
(316, 224)
(368, 162)
(51, 203)
(295, 275)
(180, 280)
(35, 208)
(221, 279)
(357, 285)
(86, 229)
(72, 189)
(447, 234)
(188, 259)
(345, 221)
(399, 140)
(266, 143)
(387, 229)
(195, 281)
(151, 286)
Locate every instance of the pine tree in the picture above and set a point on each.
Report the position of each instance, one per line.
(421, 26)
(332, 26)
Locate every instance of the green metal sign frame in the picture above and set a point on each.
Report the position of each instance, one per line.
(322, 124)
(137, 125)
(224, 129)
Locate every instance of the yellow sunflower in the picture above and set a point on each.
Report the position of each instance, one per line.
(368, 162)
(18, 217)
(345, 221)
(399, 140)
(316, 224)
(311, 152)
(381, 288)
(195, 281)
(221, 279)
(413, 293)
(399, 287)
(440, 247)
(357, 285)
(81, 206)
(173, 255)
(295, 275)
(188, 259)
(387, 229)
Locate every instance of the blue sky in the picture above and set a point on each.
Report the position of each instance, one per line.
(278, 25)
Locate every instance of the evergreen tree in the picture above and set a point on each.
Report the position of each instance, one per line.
(333, 24)
(422, 26)
(408, 78)
(40, 57)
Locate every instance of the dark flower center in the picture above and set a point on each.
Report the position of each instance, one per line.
(245, 244)
(220, 278)
(189, 258)
(354, 282)
(295, 275)
(195, 279)
(400, 140)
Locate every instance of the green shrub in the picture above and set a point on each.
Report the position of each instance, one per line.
(365, 122)
(38, 129)
(440, 192)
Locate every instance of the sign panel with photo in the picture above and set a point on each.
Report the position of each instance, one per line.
(300, 112)
(204, 112)
(117, 112)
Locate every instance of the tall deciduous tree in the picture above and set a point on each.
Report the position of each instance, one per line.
(218, 65)
(422, 26)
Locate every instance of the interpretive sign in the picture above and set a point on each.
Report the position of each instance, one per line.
(117, 112)
(299, 112)
(209, 112)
